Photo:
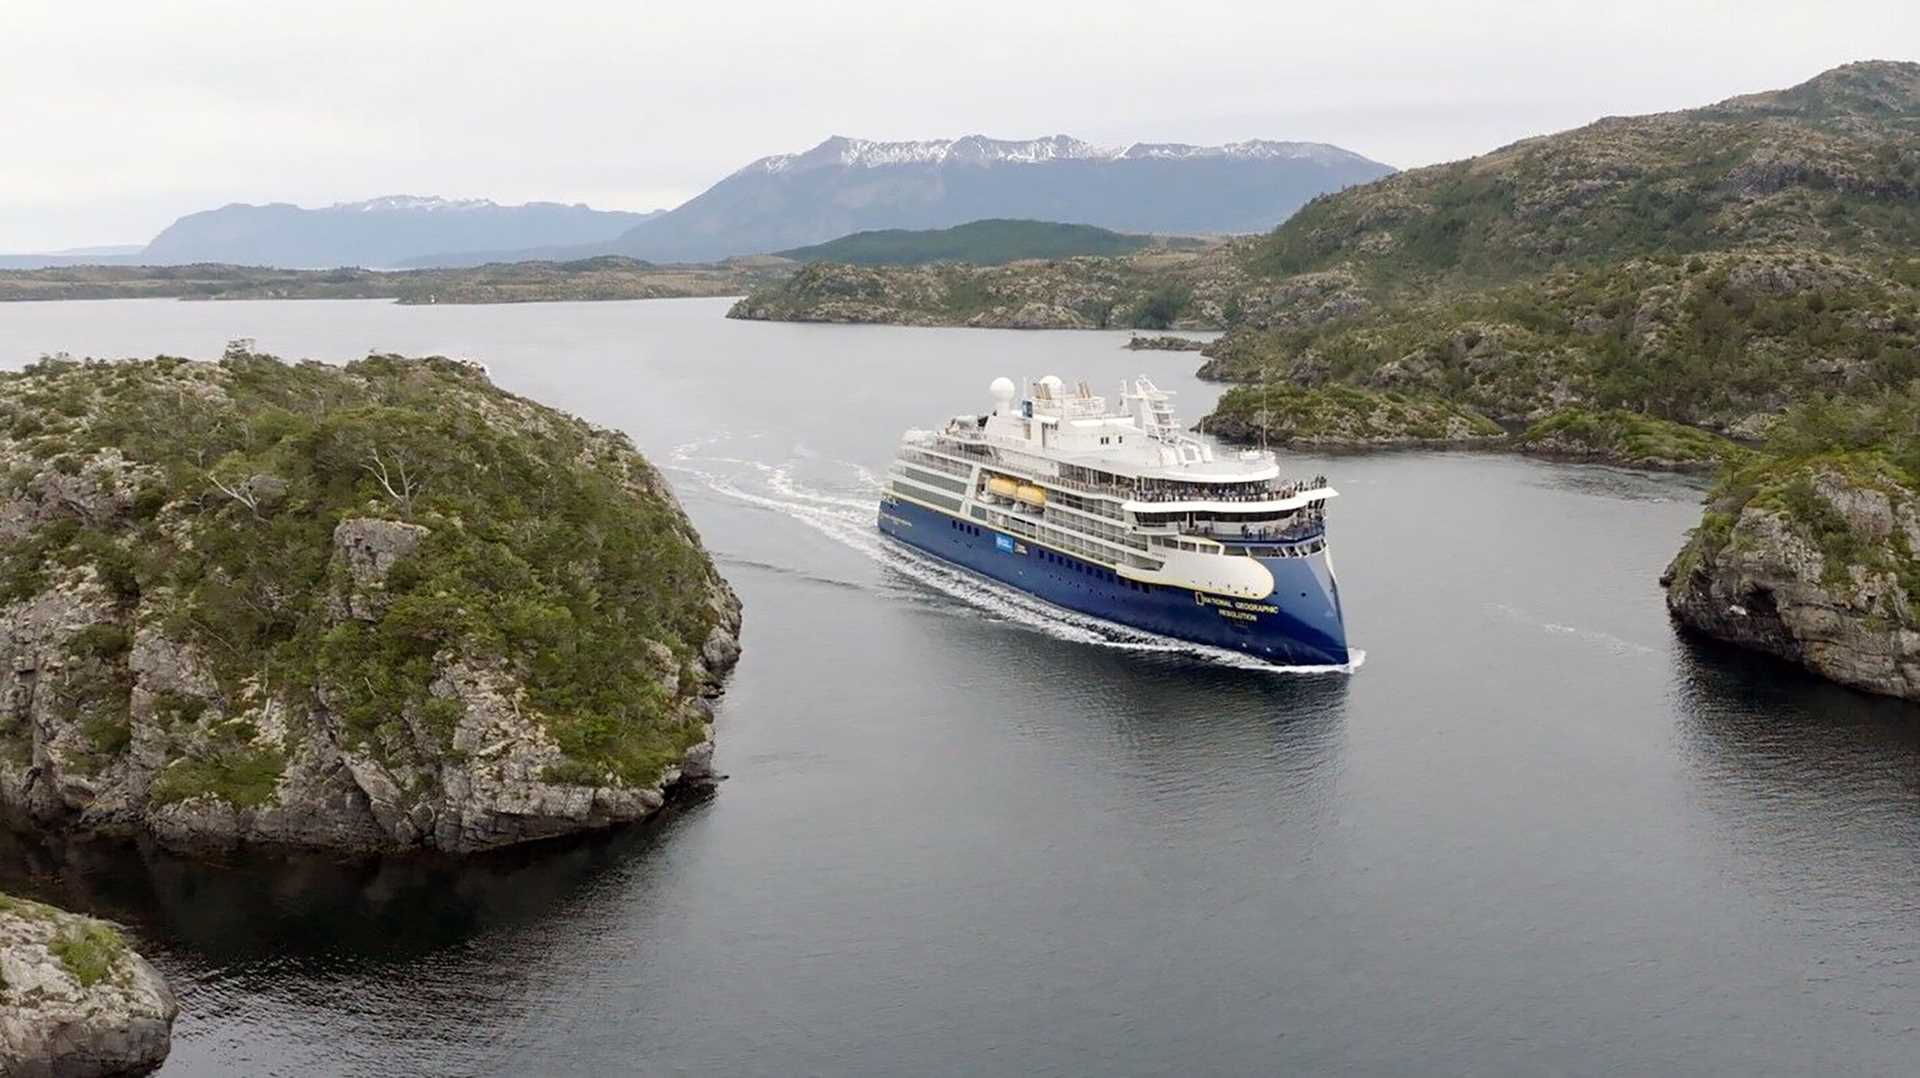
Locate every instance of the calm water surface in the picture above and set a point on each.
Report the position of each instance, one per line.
(1534, 833)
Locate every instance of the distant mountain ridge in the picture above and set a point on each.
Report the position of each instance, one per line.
(847, 185)
(376, 232)
(837, 188)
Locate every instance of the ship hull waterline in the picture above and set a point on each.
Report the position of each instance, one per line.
(1299, 624)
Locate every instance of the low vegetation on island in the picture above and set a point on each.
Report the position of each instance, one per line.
(607, 277)
(1343, 417)
(991, 242)
(75, 999)
(378, 606)
(1633, 439)
(1155, 289)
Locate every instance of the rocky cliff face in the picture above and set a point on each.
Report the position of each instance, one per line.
(382, 607)
(1812, 562)
(75, 1002)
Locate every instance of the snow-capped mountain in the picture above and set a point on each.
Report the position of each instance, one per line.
(847, 185)
(840, 151)
(379, 232)
(421, 203)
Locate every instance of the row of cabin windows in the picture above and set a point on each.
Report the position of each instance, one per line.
(1083, 568)
(963, 526)
(1078, 566)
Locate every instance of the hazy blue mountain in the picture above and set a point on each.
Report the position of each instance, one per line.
(850, 185)
(379, 232)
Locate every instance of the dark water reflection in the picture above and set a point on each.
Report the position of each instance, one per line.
(1536, 832)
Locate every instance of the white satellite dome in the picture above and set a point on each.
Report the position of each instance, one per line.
(1053, 382)
(1002, 390)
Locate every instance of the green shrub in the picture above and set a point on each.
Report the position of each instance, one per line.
(242, 776)
(102, 641)
(90, 950)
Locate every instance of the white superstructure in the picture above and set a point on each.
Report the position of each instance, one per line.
(1121, 486)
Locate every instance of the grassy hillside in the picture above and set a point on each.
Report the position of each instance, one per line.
(1343, 417)
(1709, 267)
(1833, 163)
(1155, 289)
(991, 242)
(1718, 339)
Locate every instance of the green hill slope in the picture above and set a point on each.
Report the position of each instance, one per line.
(1832, 163)
(990, 242)
(1711, 266)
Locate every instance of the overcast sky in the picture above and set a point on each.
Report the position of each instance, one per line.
(117, 117)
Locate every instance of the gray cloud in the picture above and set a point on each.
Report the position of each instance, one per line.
(120, 116)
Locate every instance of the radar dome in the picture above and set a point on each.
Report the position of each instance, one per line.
(1052, 381)
(1002, 390)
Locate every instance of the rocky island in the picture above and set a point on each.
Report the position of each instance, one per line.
(1810, 551)
(378, 607)
(1163, 342)
(75, 1001)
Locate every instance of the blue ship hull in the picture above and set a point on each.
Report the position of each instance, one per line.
(1298, 625)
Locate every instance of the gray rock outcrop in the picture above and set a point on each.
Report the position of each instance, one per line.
(75, 1002)
(1816, 568)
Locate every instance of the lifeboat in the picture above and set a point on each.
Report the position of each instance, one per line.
(1000, 488)
(1031, 495)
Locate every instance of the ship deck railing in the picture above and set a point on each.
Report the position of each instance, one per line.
(1293, 533)
(1197, 492)
(1258, 550)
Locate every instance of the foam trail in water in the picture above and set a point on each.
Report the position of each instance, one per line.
(1591, 636)
(850, 522)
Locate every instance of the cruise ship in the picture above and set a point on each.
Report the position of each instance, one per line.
(1119, 514)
